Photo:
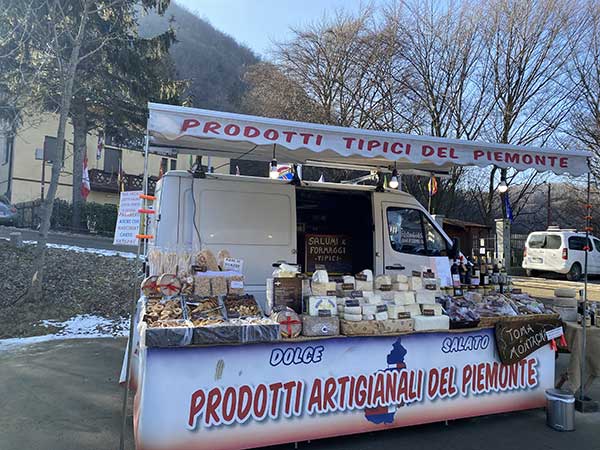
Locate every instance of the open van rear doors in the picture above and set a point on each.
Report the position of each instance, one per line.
(406, 237)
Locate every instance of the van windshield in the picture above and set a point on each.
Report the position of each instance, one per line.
(549, 241)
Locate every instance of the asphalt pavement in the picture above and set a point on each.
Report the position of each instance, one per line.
(64, 395)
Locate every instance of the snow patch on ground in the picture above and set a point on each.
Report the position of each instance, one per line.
(79, 327)
(75, 248)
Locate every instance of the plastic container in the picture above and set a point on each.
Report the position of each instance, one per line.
(560, 410)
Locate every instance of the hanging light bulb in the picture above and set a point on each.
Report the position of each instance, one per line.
(321, 179)
(502, 187)
(273, 172)
(393, 184)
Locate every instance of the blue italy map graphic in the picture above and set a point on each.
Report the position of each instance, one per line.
(395, 361)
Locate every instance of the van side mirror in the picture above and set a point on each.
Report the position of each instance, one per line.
(455, 249)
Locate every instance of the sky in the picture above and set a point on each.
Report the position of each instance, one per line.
(255, 23)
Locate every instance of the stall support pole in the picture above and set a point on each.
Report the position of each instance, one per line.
(141, 242)
(582, 402)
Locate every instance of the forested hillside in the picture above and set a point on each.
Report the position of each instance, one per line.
(213, 62)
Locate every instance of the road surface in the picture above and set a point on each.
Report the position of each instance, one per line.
(544, 287)
(63, 395)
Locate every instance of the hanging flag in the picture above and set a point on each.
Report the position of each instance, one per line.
(100, 146)
(85, 180)
(509, 213)
(432, 186)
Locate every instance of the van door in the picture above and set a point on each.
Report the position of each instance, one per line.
(254, 221)
(595, 257)
(407, 238)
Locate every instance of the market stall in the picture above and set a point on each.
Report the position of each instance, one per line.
(328, 351)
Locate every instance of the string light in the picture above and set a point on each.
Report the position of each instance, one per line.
(393, 184)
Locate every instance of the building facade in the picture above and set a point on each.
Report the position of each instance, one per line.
(25, 173)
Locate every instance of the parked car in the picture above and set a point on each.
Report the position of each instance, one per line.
(561, 251)
(8, 212)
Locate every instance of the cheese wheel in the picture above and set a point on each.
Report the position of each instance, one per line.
(149, 286)
(168, 284)
(381, 315)
(364, 286)
(399, 278)
(352, 310)
(369, 309)
(400, 286)
(353, 317)
(382, 280)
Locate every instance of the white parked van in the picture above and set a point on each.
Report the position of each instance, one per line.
(263, 221)
(561, 251)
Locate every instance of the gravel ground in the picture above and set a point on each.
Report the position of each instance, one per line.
(74, 283)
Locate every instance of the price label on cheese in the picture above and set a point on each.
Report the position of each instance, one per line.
(347, 286)
(324, 313)
(403, 315)
(554, 333)
(428, 274)
(416, 274)
(385, 287)
(360, 277)
(352, 302)
(428, 312)
(233, 265)
(381, 308)
(236, 284)
(356, 294)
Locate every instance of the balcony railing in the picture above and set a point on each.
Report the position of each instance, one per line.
(108, 182)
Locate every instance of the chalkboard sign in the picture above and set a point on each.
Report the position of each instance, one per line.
(516, 340)
(333, 251)
(288, 292)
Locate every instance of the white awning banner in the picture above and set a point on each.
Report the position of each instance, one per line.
(191, 130)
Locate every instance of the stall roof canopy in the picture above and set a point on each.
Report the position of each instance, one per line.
(178, 129)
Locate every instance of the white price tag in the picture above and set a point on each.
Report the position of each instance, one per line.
(233, 265)
(554, 333)
(235, 284)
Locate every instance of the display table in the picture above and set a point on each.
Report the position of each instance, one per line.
(243, 396)
(573, 334)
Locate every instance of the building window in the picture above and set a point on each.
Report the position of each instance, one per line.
(173, 164)
(112, 160)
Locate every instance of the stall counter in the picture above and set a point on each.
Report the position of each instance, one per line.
(245, 396)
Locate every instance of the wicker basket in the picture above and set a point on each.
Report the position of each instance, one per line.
(487, 322)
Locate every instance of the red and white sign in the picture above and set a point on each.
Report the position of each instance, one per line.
(195, 128)
(232, 397)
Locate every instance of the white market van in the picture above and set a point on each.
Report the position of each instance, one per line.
(263, 221)
(561, 251)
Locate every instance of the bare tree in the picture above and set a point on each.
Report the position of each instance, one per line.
(584, 124)
(49, 43)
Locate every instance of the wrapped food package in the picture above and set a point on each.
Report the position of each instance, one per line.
(369, 309)
(290, 325)
(320, 305)
(372, 297)
(320, 326)
(187, 285)
(364, 286)
(415, 283)
(218, 285)
(433, 309)
(322, 288)
(400, 286)
(320, 276)
(202, 286)
(426, 323)
(235, 284)
(399, 278)
(413, 309)
(424, 296)
(347, 279)
(285, 271)
(382, 280)
(352, 317)
(383, 315)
